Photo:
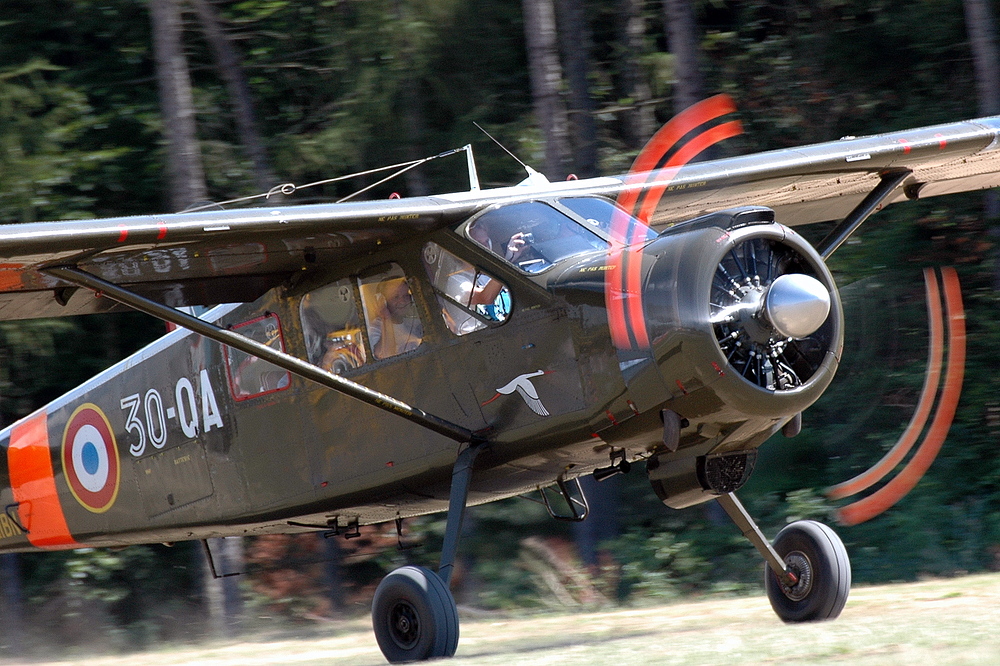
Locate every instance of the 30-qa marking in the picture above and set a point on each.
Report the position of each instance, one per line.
(194, 418)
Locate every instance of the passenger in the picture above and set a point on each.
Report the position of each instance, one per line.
(396, 328)
(331, 329)
(487, 288)
(486, 292)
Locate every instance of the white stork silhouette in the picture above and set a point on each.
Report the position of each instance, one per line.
(522, 384)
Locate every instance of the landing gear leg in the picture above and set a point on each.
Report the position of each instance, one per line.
(461, 475)
(808, 573)
(414, 613)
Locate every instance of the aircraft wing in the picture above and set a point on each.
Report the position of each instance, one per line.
(825, 181)
(210, 257)
(199, 258)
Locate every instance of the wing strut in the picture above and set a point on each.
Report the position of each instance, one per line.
(254, 348)
(888, 183)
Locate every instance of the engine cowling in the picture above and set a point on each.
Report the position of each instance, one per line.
(727, 326)
(746, 330)
(733, 329)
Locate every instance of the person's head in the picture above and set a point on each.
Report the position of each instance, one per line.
(396, 293)
(478, 233)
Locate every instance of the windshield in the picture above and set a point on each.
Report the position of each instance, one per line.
(609, 219)
(533, 235)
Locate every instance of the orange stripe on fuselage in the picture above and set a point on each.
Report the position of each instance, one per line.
(33, 483)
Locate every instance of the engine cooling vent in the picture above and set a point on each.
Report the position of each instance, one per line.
(727, 472)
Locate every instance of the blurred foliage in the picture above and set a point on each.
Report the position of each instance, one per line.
(339, 87)
(113, 600)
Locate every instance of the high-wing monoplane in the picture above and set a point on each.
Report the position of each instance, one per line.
(372, 361)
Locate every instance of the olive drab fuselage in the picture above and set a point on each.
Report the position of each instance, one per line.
(190, 439)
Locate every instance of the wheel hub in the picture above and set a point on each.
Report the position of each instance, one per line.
(797, 562)
(404, 626)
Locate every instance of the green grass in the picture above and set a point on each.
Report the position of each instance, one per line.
(936, 622)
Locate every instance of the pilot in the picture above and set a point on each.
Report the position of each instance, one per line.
(518, 244)
(395, 328)
(522, 247)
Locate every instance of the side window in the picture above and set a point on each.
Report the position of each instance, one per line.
(250, 376)
(332, 328)
(390, 313)
(469, 298)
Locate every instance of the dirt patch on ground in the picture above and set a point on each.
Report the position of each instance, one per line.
(933, 622)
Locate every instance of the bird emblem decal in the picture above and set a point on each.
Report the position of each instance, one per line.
(522, 384)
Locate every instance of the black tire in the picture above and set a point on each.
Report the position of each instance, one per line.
(818, 557)
(414, 616)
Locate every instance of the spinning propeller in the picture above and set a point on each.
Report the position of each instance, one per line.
(770, 313)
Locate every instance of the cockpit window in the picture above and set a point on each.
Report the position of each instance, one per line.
(470, 299)
(533, 235)
(609, 219)
(332, 328)
(250, 376)
(394, 327)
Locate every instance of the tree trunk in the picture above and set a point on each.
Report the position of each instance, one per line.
(185, 174)
(413, 118)
(412, 112)
(11, 605)
(682, 38)
(231, 72)
(980, 25)
(223, 597)
(575, 39)
(639, 122)
(546, 80)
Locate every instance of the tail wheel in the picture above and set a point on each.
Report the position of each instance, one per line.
(817, 557)
(414, 616)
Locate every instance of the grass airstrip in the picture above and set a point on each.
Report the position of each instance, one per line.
(952, 621)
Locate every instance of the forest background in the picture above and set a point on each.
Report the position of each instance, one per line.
(117, 107)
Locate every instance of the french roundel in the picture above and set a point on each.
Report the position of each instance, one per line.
(90, 458)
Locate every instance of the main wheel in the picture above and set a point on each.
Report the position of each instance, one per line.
(414, 616)
(817, 557)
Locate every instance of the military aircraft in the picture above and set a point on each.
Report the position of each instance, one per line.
(372, 361)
